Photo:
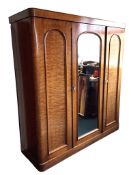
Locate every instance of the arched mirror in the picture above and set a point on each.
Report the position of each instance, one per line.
(88, 82)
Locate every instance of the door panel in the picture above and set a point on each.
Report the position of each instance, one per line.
(87, 71)
(54, 42)
(56, 91)
(112, 76)
(113, 66)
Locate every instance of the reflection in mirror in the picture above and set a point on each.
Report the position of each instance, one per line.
(88, 82)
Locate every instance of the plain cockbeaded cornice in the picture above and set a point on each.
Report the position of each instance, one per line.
(34, 12)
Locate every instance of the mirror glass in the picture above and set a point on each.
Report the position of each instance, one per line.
(88, 82)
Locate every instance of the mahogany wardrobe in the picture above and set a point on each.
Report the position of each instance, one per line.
(68, 76)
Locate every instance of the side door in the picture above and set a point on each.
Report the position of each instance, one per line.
(53, 40)
(114, 52)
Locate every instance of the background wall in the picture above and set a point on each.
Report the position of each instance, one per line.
(111, 155)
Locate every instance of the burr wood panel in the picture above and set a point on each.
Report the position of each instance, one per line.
(56, 92)
(113, 66)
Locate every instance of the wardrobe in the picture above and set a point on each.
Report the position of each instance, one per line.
(68, 76)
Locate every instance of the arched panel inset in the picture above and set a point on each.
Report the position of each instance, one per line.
(113, 75)
(89, 47)
(55, 48)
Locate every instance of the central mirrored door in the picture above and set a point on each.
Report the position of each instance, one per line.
(88, 82)
(87, 70)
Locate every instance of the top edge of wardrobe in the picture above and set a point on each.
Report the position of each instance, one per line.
(35, 12)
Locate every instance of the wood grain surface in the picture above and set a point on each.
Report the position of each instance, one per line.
(46, 67)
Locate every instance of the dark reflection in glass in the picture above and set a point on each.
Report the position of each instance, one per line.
(88, 82)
